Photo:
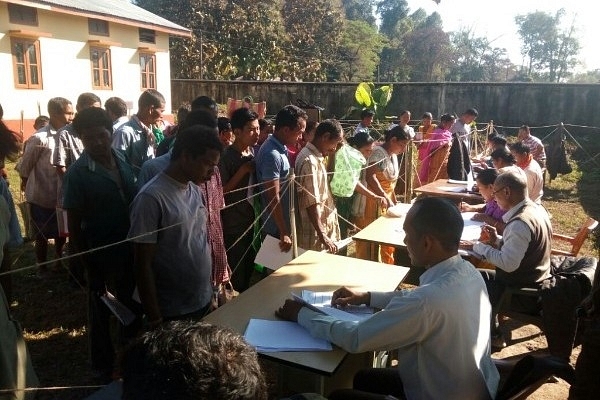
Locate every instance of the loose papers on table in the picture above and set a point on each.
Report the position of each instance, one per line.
(270, 336)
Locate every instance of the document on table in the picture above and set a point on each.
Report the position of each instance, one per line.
(398, 210)
(453, 189)
(271, 256)
(472, 229)
(321, 302)
(271, 336)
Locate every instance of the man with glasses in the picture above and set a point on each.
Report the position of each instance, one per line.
(522, 254)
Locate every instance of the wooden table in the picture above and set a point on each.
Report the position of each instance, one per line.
(454, 191)
(389, 231)
(314, 271)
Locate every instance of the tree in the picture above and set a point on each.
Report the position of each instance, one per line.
(229, 38)
(475, 59)
(391, 13)
(358, 55)
(428, 53)
(549, 51)
(360, 10)
(314, 29)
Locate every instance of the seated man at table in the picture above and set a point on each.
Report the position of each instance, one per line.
(522, 254)
(440, 328)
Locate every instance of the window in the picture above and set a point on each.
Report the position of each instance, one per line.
(98, 27)
(147, 35)
(148, 70)
(18, 14)
(26, 63)
(101, 69)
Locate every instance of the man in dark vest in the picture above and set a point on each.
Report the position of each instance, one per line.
(522, 254)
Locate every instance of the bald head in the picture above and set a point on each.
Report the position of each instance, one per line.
(510, 188)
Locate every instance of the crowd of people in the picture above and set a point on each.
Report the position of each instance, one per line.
(163, 216)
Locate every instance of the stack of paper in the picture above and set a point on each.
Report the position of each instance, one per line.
(321, 302)
(270, 336)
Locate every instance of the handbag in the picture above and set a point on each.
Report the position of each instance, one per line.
(226, 293)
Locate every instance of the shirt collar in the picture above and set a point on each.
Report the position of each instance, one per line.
(277, 144)
(314, 150)
(433, 272)
(511, 213)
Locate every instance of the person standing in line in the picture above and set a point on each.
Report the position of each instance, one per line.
(169, 231)
(136, 137)
(272, 169)
(459, 159)
(318, 227)
(381, 176)
(237, 173)
(39, 180)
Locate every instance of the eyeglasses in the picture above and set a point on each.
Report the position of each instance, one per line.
(496, 191)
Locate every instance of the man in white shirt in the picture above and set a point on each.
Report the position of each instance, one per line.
(533, 171)
(440, 328)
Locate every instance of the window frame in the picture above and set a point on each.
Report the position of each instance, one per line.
(94, 22)
(144, 33)
(27, 42)
(101, 68)
(145, 74)
(15, 8)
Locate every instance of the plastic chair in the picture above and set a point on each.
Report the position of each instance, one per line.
(577, 240)
(531, 372)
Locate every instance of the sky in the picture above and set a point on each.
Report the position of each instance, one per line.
(495, 19)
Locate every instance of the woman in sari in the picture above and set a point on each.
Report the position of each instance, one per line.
(381, 176)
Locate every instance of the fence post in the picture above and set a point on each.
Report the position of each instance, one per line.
(291, 191)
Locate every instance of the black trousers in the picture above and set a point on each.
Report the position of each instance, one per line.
(373, 384)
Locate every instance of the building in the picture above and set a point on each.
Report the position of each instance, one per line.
(64, 48)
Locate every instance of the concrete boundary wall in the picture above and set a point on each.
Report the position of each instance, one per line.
(507, 104)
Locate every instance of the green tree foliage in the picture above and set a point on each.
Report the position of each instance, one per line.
(360, 10)
(314, 29)
(549, 50)
(428, 51)
(358, 56)
(392, 14)
(475, 60)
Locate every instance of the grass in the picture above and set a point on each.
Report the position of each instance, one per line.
(53, 313)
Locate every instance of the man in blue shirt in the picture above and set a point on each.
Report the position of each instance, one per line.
(272, 168)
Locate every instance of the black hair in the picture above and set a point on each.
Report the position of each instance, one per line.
(195, 141)
(199, 117)
(187, 360)
(241, 116)
(10, 143)
(472, 111)
(288, 116)
(329, 127)
(151, 97)
(264, 122)
(41, 119)
(520, 148)
(439, 218)
(498, 140)
(183, 111)
(86, 100)
(487, 176)
(396, 132)
(91, 117)
(206, 103)
(366, 112)
(360, 139)
(504, 155)
(116, 106)
(447, 117)
(223, 124)
(57, 105)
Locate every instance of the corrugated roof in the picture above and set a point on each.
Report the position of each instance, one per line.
(119, 9)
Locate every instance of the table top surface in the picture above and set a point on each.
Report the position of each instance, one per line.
(443, 188)
(389, 231)
(313, 271)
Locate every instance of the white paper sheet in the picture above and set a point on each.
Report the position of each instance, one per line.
(398, 210)
(321, 302)
(472, 229)
(271, 256)
(270, 336)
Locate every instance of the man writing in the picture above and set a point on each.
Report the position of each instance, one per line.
(522, 254)
(439, 328)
